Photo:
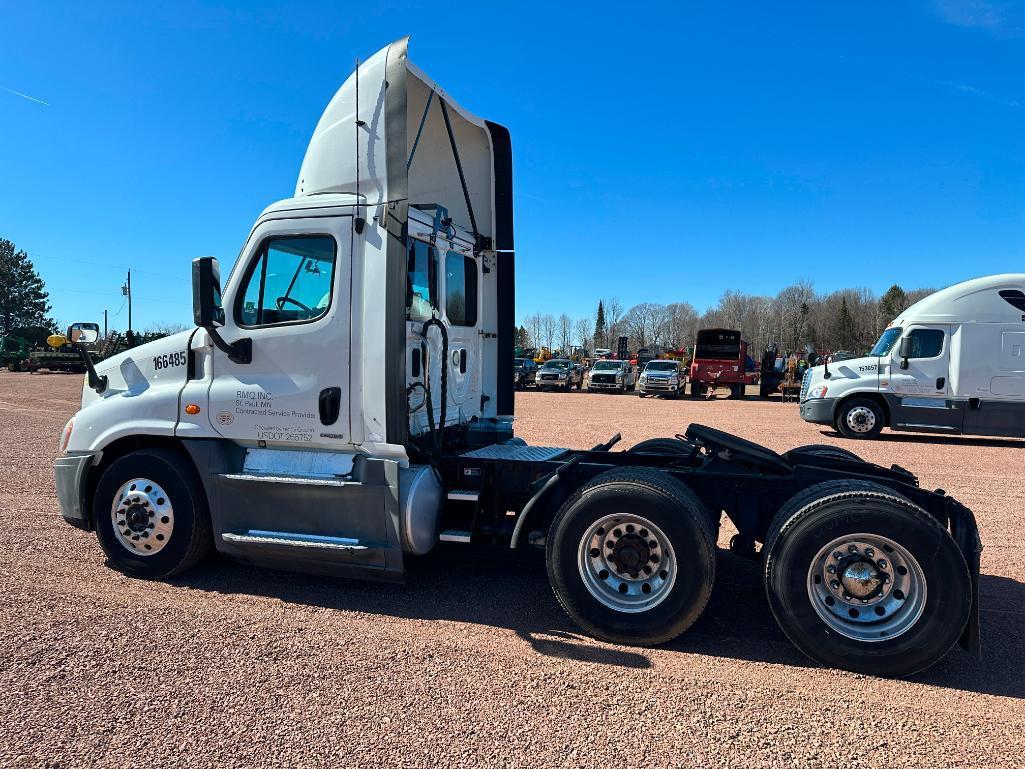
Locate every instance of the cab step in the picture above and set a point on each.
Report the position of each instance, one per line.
(455, 535)
(458, 495)
(293, 539)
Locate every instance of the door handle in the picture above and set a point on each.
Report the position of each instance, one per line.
(941, 382)
(330, 404)
(462, 361)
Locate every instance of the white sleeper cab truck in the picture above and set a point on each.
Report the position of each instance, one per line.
(345, 403)
(952, 363)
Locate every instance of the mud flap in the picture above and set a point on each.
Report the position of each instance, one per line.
(966, 534)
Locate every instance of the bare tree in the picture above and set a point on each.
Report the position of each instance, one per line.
(565, 330)
(613, 320)
(547, 330)
(681, 326)
(582, 328)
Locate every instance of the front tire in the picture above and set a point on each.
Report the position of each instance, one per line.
(151, 514)
(860, 418)
(607, 574)
(860, 578)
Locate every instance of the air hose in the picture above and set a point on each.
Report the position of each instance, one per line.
(439, 442)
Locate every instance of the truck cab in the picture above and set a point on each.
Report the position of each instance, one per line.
(952, 363)
(365, 328)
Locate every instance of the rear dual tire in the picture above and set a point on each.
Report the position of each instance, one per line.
(631, 557)
(860, 578)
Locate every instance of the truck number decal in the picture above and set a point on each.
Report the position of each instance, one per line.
(170, 360)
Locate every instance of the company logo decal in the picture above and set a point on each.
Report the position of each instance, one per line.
(225, 418)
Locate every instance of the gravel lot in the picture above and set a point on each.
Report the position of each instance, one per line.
(471, 663)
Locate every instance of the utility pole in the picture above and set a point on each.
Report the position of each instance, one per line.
(104, 325)
(126, 290)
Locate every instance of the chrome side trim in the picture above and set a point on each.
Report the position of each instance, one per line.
(291, 539)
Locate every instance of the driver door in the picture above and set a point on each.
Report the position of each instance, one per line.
(289, 295)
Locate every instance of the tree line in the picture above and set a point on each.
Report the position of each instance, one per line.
(849, 319)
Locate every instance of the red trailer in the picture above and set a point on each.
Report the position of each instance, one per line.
(720, 358)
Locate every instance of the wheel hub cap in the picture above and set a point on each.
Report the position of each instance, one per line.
(861, 419)
(626, 563)
(861, 579)
(142, 517)
(867, 587)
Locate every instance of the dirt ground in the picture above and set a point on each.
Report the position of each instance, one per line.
(471, 663)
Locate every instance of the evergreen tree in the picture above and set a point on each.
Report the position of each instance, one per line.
(522, 337)
(893, 303)
(23, 300)
(844, 323)
(600, 339)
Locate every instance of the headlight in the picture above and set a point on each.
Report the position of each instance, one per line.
(644, 377)
(817, 392)
(562, 375)
(66, 436)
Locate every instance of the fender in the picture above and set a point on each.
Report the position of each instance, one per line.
(543, 493)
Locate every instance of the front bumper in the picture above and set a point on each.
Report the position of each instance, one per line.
(606, 386)
(818, 410)
(70, 472)
(656, 388)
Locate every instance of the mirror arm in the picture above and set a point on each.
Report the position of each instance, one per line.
(96, 382)
(239, 351)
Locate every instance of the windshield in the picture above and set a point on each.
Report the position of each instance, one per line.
(557, 364)
(607, 365)
(886, 342)
(660, 365)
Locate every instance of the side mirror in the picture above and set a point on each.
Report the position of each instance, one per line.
(206, 293)
(904, 350)
(86, 333)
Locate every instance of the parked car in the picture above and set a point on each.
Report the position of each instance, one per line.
(667, 378)
(560, 374)
(524, 373)
(612, 376)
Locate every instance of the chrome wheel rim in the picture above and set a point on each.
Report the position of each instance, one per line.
(861, 419)
(142, 517)
(626, 563)
(867, 587)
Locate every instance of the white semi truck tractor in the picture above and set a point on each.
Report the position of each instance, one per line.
(952, 363)
(345, 403)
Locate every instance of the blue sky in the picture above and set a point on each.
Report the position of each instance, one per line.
(662, 152)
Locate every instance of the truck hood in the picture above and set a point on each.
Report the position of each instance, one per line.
(160, 363)
(865, 370)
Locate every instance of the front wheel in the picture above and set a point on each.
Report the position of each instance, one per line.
(631, 557)
(860, 578)
(860, 418)
(151, 514)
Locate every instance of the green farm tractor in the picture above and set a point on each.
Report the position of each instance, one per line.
(13, 351)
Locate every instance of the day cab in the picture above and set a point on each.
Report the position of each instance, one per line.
(952, 363)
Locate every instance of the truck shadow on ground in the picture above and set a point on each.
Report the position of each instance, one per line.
(941, 440)
(515, 594)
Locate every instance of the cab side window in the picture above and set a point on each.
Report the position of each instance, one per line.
(290, 281)
(421, 280)
(926, 342)
(460, 289)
